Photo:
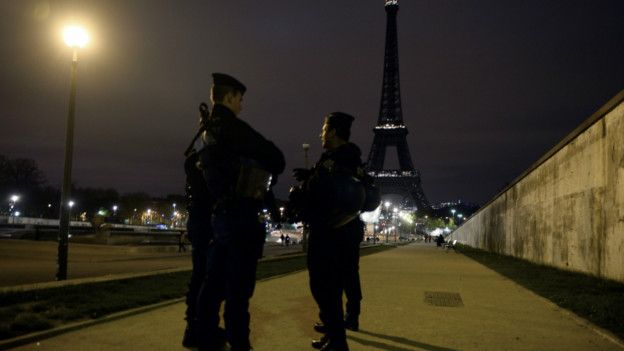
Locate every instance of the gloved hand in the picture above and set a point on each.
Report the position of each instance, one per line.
(301, 174)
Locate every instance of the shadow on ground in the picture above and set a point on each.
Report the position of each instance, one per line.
(397, 340)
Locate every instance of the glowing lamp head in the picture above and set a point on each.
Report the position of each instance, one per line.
(75, 37)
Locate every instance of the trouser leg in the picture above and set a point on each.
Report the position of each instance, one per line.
(210, 298)
(353, 288)
(198, 273)
(326, 287)
(199, 231)
(241, 281)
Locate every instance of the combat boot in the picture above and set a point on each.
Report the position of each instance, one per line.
(351, 323)
(333, 345)
(318, 344)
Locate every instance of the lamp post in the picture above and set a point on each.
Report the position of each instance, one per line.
(306, 147)
(75, 37)
(387, 204)
(306, 229)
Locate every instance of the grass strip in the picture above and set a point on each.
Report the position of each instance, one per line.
(23, 312)
(597, 300)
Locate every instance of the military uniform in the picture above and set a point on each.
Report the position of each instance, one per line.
(352, 286)
(199, 207)
(233, 146)
(330, 250)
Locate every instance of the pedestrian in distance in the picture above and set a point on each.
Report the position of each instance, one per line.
(239, 165)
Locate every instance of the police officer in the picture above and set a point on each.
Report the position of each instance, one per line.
(238, 165)
(334, 201)
(199, 206)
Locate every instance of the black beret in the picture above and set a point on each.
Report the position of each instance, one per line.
(227, 80)
(339, 119)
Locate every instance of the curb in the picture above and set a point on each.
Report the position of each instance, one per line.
(46, 334)
(70, 282)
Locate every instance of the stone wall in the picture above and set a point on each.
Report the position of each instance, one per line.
(567, 210)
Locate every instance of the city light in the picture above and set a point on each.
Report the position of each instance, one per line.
(71, 204)
(15, 198)
(75, 36)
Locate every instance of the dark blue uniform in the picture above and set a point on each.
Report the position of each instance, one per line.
(239, 235)
(331, 256)
(199, 229)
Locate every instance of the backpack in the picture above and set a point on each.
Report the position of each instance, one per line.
(373, 195)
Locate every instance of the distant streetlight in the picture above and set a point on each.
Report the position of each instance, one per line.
(453, 211)
(13, 199)
(75, 37)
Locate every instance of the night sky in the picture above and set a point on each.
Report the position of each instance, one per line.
(487, 86)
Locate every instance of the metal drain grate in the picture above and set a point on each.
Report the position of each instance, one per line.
(443, 299)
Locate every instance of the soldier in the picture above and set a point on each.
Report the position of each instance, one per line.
(238, 165)
(199, 206)
(334, 200)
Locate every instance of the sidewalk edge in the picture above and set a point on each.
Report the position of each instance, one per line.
(46, 334)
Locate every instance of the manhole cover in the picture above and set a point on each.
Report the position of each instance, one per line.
(443, 299)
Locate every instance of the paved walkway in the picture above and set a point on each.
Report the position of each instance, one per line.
(497, 314)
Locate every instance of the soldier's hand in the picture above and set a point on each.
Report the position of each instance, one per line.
(301, 174)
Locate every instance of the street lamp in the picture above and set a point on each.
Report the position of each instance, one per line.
(75, 37)
(305, 230)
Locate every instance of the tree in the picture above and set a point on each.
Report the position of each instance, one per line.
(22, 177)
(91, 200)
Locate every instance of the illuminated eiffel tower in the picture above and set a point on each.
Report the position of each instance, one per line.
(390, 129)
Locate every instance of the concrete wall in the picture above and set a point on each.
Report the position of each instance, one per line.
(567, 210)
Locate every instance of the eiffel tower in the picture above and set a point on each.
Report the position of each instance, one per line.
(390, 129)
